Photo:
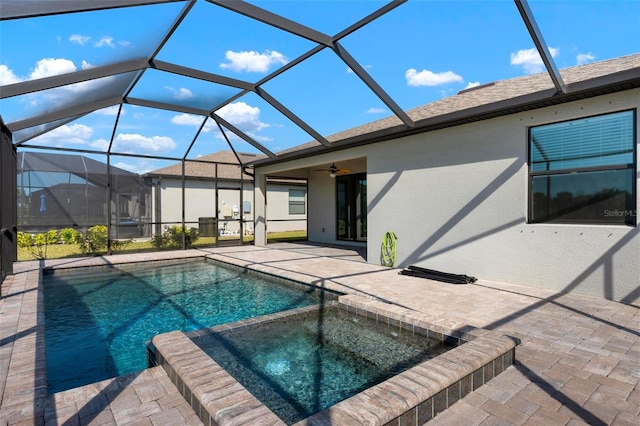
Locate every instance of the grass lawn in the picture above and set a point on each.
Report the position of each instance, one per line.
(60, 251)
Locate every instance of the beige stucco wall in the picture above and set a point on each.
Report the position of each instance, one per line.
(457, 200)
(200, 203)
(199, 199)
(278, 217)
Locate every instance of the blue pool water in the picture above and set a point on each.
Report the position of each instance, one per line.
(299, 365)
(97, 323)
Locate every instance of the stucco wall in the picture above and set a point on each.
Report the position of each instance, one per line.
(199, 199)
(457, 201)
(278, 217)
(200, 203)
(322, 210)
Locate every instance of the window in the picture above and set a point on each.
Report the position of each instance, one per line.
(296, 201)
(583, 171)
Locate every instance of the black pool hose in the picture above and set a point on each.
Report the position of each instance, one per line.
(416, 271)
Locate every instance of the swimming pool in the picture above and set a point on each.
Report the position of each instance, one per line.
(98, 320)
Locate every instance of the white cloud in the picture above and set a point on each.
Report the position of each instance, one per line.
(530, 59)
(79, 39)
(100, 144)
(126, 166)
(86, 65)
(445, 93)
(252, 61)
(180, 93)
(65, 95)
(139, 165)
(583, 58)
(104, 41)
(187, 120)
(429, 78)
(77, 134)
(243, 116)
(131, 142)
(111, 111)
(108, 41)
(51, 66)
(472, 84)
(46, 67)
(257, 138)
(376, 110)
(7, 76)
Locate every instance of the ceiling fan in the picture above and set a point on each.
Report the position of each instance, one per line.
(334, 171)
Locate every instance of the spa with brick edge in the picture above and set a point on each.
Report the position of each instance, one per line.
(409, 398)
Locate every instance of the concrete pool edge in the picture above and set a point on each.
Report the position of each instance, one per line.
(411, 397)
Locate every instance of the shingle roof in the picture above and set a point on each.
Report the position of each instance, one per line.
(517, 92)
(489, 100)
(203, 167)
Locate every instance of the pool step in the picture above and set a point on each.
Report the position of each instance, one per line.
(213, 394)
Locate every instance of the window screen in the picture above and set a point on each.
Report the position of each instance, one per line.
(583, 171)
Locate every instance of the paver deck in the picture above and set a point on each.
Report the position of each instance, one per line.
(578, 363)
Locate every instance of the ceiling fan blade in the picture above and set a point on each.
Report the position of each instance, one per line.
(333, 169)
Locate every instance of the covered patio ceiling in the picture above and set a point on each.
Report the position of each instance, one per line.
(152, 76)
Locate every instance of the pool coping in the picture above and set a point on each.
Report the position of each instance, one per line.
(412, 397)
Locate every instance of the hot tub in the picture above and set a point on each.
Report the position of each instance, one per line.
(256, 369)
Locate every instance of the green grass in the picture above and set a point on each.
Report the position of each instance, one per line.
(274, 237)
(61, 251)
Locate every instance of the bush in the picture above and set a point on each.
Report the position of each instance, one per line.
(120, 245)
(36, 244)
(70, 236)
(95, 240)
(172, 237)
(25, 240)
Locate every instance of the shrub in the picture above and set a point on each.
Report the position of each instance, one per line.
(36, 244)
(95, 240)
(120, 245)
(25, 240)
(70, 236)
(172, 237)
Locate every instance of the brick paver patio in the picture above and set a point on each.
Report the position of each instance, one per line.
(578, 361)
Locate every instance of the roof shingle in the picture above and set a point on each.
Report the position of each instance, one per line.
(486, 95)
(204, 167)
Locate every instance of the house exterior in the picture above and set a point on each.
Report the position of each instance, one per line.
(508, 182)
(218, 195)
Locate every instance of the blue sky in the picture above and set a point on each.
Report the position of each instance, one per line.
(418, 53)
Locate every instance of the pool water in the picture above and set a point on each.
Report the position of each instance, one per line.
(300, 365)
(97, 323)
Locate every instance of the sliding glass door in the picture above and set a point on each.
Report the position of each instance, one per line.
(352, 207)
